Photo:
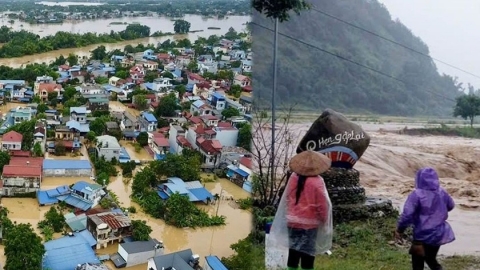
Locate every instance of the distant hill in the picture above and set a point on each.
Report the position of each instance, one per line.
(314, 80)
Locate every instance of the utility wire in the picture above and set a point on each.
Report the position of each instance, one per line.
(349, 60)
(393, 41)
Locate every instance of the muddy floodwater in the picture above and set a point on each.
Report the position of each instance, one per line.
(388, 168)
(163, 24)
(202, 241)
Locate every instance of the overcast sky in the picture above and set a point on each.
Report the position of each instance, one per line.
(450, 28)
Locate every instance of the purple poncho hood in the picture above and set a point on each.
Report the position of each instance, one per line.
(427, 210)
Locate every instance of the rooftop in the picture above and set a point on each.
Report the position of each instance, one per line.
(108, 141)
(113, 220)
(178, 260)
(68, 252)
(149, 117)
(81, 110)
(215, 263)
(66, 164)
(12, 136)
(21, 171)
(139, 246)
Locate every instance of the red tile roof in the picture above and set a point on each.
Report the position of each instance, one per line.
(224, 124)
(154, 104)
(21, 171)
(64, 67)
(196, 77)
(12, 136)
(209, 117)
(164, 129)
(161, 141)
(247, 162)
(49, 87)
(195, 120)
(20, 153)
(163, 56)
(248, 88)
(183, 141)
(23, 161)
(211, 146)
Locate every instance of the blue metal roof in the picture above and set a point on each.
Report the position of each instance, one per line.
(124, 154)
(51, 111)
(162, 194)
(12, 82)
(76, 202)
(242, 172)
(218, 95)
(29, 92)
(73, 124)
(200, 193)
(176, 188)
(66, 164)
(198, 103)
(82, 186)
(44, 199)
(67, 252)
(149, 117)
(61, 190)
(215, 263)
(149, 86)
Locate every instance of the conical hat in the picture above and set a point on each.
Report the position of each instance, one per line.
(310, 163)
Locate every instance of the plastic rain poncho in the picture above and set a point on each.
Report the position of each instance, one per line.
(427, 210)
(306, 226)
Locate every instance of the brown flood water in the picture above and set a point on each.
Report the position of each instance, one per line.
(103, 26)
(388, 168)
(202, 241)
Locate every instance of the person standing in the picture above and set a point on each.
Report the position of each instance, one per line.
(303, 222)
(426, 209)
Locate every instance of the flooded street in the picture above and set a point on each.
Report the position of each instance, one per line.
(202, 241)
(389, 165)
(103, 26)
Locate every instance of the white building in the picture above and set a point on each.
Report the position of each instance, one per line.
(174, 133)
(227, 136)
(108, 147)
(66, 168)
(138, 252)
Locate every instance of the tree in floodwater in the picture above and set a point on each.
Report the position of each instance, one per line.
(467, 107)
(23, 248)
(181, 27)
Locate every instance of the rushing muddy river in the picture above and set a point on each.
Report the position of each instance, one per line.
(163, 24)
(388, 168)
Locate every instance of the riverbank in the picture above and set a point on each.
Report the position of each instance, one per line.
(443, 130)
(369, 245)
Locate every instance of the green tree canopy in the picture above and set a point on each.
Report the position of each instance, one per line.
(230, 112)
(142, 138)
(140, 230)
(181, 26)
(23, 248)
(467, 107)
(167, 107)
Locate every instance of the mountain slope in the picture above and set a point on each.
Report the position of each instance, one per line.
(314, 80)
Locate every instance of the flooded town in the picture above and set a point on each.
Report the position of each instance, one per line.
(127, 154)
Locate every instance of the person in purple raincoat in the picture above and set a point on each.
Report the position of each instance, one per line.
(426, 209)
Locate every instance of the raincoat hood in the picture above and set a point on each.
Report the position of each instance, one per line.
(427, 179)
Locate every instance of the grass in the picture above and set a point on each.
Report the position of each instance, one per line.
(366, 245)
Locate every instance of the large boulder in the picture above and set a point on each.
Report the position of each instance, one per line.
(334, 130)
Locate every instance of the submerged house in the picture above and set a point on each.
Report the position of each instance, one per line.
(136, 252)
(194, 190)
(20, 179)
(82, 195)
(180, 260)
(108, 227)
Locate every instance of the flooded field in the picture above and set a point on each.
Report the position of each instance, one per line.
(116, 106)
(134, 155)
(103, 26)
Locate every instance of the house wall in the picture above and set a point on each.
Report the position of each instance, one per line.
(65, 135)
(109, 153)
(151, 265)
(123, 253)
(66, 172)
(141, 257)
(172, 140)
(17, 185)
(11, 145)
(227, 137)
(192, 138)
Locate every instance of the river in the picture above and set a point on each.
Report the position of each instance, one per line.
(388, 168)
(163, 24)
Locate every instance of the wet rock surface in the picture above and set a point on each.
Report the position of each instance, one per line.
(334, 129)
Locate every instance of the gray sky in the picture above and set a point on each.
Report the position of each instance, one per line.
(450, 28)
